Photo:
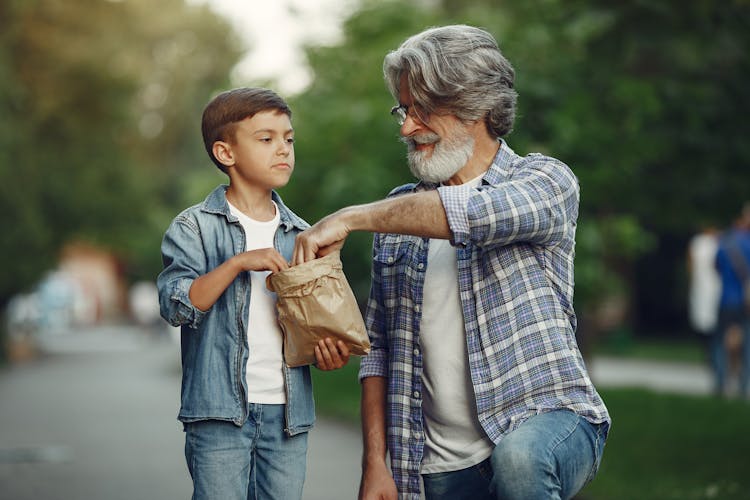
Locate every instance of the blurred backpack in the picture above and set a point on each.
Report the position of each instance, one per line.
(741, 267)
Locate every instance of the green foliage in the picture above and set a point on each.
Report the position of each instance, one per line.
(100, 105)
(347, 146)
(337, 392)
(605, 248)
(644, 100)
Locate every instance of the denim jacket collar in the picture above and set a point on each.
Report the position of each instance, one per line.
(216, 203)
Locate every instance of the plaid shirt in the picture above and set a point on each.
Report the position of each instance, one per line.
(515, 237)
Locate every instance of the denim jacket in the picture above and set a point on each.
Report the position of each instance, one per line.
(214, 344)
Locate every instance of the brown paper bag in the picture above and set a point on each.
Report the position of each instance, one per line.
(315, 301)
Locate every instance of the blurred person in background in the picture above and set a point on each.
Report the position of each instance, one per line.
(704, 289)
(245, 413)
(733, 265)
(143, 299)
(475, 381)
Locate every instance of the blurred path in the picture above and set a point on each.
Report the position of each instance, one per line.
(681, 378)
(94, 418)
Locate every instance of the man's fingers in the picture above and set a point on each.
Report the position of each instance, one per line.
(303, 250)
(333, 247)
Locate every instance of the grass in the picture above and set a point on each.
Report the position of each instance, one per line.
(673, 447)
(661, 446)
(337, 392)
(688, 350)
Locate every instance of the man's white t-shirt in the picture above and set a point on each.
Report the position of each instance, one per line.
(454, 439)
(265, 376)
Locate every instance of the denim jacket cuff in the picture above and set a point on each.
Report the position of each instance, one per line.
(186, 311)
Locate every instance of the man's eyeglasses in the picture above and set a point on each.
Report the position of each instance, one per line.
(400, 112)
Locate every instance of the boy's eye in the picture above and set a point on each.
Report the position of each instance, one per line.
(290, 140)
(265, 139)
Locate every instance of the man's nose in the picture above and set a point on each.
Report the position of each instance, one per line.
(410, 126)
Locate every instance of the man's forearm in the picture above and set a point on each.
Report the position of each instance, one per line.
(417, 214)
(373, 420)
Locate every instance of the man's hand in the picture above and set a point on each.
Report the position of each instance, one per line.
(325, 237)
(377, 483)
(331, 356)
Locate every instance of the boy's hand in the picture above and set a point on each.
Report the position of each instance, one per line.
(331, 356)
(262, 259)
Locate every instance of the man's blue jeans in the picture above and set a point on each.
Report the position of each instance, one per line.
(551, 455)
(255, 461)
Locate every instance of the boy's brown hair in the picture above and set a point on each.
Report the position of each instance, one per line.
(222, 113)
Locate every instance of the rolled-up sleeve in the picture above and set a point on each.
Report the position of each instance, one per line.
(455, 201)
(182, 256)
(537, 207)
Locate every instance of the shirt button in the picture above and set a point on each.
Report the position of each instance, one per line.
(416, 351)
(390, 260)
(417, 308)
(416, 394)
(420, 266)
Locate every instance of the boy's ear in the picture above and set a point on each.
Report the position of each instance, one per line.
(223, 152)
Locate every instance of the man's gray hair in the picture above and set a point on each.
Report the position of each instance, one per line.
(457, 70)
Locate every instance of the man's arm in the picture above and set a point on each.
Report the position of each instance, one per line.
(377, 482)
(417, 214)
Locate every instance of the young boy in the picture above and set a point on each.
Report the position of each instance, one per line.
(245, 413)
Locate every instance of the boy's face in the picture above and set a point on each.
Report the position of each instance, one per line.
(262, 152)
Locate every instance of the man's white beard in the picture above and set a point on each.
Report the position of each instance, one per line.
(448, 156)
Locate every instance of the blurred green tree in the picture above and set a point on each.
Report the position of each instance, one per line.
(100, 106)
(347, 143)
(643, 99)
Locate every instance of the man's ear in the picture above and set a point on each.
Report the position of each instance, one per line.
(223, 152)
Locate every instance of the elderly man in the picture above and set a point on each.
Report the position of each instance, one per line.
(474, 381)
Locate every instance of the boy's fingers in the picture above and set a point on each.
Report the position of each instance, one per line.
(333, 353)
(330, 354)
(320, 362)
(343, 349)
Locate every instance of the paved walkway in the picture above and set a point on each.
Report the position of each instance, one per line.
(662, 376)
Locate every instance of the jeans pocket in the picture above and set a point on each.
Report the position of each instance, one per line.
(601, 431)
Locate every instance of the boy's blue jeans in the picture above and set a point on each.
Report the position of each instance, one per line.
(551, 455)
(255, 461)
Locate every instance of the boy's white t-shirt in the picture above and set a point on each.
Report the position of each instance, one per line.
(265, 376)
